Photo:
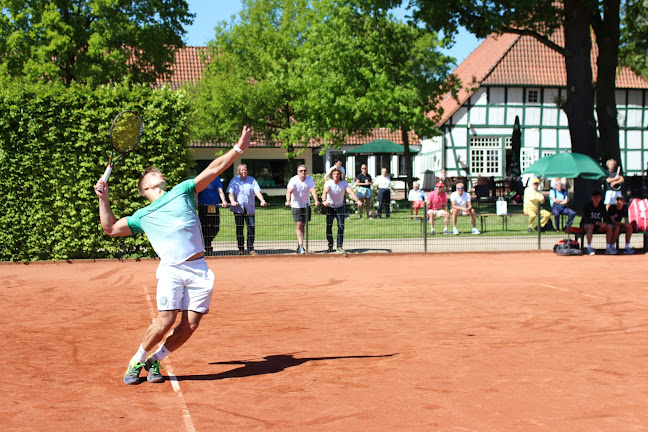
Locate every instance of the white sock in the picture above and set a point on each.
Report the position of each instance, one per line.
(141, 355)
(160, 353)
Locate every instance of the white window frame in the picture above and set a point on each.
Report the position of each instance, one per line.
(486, 156)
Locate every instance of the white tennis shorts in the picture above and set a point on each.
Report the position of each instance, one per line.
(611, 196)
(188, 286)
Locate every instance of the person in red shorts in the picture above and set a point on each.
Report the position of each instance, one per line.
(437, 203)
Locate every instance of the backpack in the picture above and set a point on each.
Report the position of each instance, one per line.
(638, 214)
(567, 247)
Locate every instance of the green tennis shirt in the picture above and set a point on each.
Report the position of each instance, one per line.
(171, 224)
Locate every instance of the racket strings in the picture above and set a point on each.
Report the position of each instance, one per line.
(125, 132)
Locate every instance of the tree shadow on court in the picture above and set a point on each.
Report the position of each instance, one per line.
(268, 365)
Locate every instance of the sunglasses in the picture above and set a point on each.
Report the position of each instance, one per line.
(302, 170)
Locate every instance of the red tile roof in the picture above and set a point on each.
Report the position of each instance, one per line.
(188, 68)
(353, 140)
(516, 60)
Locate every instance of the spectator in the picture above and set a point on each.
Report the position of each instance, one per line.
(363, 182)
(595, 219)
(437, 202)
(333, 200)
(209, 201)
(616, 214)
(559, 199)
(417, 197)
(531, 200)
(298, 198)
(461, 206)
(242, 190)
(383, 181)
(613, 183)
(337, 164)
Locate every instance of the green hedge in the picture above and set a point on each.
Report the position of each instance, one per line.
(54, 145)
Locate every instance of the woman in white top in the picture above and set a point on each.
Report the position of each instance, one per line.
(333, 200)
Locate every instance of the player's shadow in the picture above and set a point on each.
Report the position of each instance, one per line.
(268, 365)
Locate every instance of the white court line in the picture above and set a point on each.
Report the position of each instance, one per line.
(585, 295)
(174, 381)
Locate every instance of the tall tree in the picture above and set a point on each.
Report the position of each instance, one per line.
(539, 19)
(248, 72)
(361, 69)
(91, 41)
(634, 36)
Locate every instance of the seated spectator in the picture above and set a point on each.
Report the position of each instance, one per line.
(616, 214)
(595, 219)
(531, 200)
(417, 197)
(461, 206)
(437, 203)
(559, 199)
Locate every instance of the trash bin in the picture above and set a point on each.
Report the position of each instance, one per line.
(429, 180)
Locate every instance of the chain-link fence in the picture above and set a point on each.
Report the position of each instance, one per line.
(271, 230)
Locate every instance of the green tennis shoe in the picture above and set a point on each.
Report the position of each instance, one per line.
(132, 373)
(153, 367)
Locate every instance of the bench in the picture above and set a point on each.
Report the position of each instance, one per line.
(580, 238)
(483, 216)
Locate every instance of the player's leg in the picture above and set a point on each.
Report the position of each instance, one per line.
(430, 215)
(628, 235)
(341, 217)
(329, 227)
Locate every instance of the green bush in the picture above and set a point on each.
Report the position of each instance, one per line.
(54, 145)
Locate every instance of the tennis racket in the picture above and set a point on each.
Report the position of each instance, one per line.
(125, 132)
(617, 187)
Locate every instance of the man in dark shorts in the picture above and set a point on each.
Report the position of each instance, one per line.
(595, 219)
(298, 198)
(616, 214)
(363, 182)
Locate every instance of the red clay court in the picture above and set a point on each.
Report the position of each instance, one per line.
(459, 342)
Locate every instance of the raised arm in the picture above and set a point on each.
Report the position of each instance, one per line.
(110, 224)
(218, 165)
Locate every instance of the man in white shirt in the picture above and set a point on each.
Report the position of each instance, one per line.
(383, 182)
(298, 198)
(242, 189)
(333, 200)
(337, 164)
(461, 206)
(417, 197)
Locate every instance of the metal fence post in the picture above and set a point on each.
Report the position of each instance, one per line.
(539, 226)
(308, 213)
(425, 219)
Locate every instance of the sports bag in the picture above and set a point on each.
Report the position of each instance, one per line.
(638, 214)
(567, 247)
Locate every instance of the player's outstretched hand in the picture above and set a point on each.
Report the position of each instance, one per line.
(244, 140)
(101, 188)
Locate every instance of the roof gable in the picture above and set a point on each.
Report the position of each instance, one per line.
(515, 60)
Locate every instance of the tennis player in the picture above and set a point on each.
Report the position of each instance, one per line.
(185, 282)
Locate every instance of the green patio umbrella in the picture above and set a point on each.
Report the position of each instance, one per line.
(569, 165)
(379, 146)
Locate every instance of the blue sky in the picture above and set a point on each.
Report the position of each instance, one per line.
(210, 12)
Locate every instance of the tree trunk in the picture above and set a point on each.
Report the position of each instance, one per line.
(579, 106)
(608, 34)
(409, 183)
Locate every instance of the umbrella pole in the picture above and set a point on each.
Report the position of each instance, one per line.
(539, 227)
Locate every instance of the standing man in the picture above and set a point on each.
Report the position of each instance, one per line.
(298, 198)
(242, 190)
(337, 164)
(333, 200)
(437, 203)
(185, 282)
(532, 198)
(596, 218)
(559, 199)
(363, 182)
(383, 181)
(616, 214)
(209, 201)
(417, 197)
(613, 183)
(461, 206)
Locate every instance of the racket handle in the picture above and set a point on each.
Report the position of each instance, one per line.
(106, 173)
(105, 176)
